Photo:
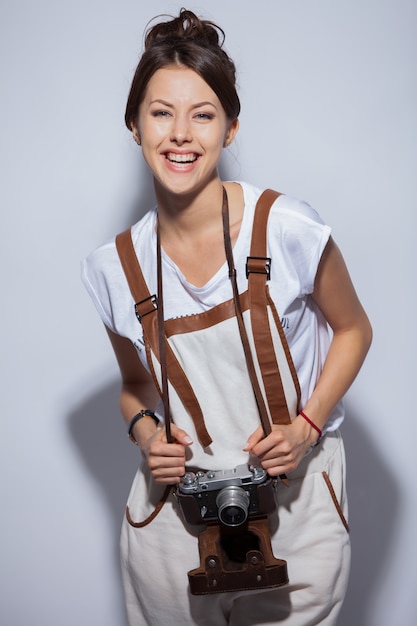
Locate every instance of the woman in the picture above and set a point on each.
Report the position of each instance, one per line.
(183, 110)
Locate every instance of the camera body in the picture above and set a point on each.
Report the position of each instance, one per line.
(226, 496)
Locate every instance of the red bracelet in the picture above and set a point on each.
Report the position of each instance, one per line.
(307, 419)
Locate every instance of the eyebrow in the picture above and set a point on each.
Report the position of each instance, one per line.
(195, 106)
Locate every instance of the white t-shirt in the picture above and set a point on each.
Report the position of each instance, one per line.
(296, 239)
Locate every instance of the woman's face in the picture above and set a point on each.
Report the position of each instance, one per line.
(183, 128)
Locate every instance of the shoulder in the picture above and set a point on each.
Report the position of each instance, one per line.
(298, 228)
(297, 209)
(104, 259)
(287, 214)
(284, 206)
(98, 265)
(103, 277)
(296, 237)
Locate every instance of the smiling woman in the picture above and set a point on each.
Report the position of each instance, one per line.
(251, 404)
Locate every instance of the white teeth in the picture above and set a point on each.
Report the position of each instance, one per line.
(181, 158)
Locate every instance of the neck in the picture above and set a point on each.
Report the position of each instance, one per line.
(189, 214)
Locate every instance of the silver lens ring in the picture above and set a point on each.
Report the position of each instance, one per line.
(233, 504)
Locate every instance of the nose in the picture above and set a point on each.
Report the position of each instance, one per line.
(180, 131)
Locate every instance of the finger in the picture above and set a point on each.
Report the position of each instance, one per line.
(279, 467)
(168, 476)
(254, 439)
(171, 466)
(160, 449)
(168, 469)
(272, 445)
(180, 435)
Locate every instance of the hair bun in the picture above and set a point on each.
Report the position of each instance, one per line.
(186, 27)
(185, 41)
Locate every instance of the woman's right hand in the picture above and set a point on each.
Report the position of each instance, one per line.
(167, 460)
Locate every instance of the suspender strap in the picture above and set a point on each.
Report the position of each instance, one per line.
(146, 312)
(263, 413)
(258, 269)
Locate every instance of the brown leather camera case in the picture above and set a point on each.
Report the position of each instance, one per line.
(233, 560)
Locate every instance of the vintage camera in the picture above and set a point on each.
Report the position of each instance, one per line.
(226, 496)
(235, 544)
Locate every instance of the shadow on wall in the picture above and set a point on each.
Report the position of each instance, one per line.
(99, 435)
(96, 426)
(373, 505)
(100, 438)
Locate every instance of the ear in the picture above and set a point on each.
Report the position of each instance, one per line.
(231, 132)
(135, 132)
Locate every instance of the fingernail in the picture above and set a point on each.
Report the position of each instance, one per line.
(188, 440)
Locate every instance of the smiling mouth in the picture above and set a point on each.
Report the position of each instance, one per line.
(181, 159)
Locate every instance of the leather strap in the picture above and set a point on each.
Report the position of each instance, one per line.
(258, 268)
(263, 413)
(154, 513)
(146, 311)
(161, 339)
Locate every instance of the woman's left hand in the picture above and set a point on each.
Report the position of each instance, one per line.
(283, 449)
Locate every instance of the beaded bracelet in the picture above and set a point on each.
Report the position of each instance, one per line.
(307, 419)
(136, 418)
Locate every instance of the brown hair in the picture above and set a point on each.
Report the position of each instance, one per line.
(186, 40)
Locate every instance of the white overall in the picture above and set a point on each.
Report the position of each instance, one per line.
(309, 527)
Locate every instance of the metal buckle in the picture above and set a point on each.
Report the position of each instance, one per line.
(261, 265)
(154, 302)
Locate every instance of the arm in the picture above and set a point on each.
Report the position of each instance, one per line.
(166, 460)
(335, 295)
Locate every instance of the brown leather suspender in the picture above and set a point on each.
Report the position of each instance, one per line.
(146, 312)
(263, 413)
(258, 269)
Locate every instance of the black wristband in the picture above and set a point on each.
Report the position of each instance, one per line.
(136, 418)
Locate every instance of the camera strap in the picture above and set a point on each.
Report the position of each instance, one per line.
(162, 338)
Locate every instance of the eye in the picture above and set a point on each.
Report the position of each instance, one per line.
(161, 113)
(204, 116)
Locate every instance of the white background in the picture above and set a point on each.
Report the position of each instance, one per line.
(329, 105)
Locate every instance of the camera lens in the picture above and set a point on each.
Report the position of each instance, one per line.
(233, 505)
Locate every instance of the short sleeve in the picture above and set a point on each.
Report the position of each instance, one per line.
(99, 283)
(301, 236)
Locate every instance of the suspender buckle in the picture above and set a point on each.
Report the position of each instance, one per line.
(146, 306)
(258, 265)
